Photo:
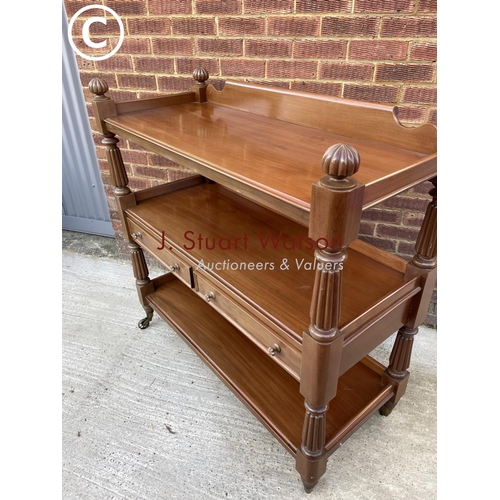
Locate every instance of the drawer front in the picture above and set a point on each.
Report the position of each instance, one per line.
(281, 351)
(168, 257)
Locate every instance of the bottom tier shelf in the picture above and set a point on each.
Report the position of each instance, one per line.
(265, 388)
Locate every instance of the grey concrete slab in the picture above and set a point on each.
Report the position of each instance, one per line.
(144, 418)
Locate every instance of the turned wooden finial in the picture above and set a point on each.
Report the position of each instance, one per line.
(340, 161)
(200, 75)
(98, 87)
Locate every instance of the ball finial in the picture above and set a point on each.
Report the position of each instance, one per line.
(340, 161)
(200, 75)
(98, 87)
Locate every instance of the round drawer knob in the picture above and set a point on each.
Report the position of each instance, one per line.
(274, 349)
(210, 296)
(175, 267)
(137, 236)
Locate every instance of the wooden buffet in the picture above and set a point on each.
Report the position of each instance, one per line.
(269, 283)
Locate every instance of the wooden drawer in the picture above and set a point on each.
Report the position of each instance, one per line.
(282, 351)
(173, 261)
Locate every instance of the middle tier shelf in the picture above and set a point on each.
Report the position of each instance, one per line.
(258, 268)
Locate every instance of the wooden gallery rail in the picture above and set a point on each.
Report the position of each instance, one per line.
(268, 282)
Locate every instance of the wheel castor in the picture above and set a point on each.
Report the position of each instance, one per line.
(386, 410)
(144, 323)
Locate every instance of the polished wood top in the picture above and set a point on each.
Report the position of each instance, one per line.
(263, 152)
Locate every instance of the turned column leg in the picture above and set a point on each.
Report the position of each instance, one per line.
(143, 283)
(335, 215)
(423, 264)
(103, 108)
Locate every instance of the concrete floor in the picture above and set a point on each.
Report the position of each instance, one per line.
(144, 418)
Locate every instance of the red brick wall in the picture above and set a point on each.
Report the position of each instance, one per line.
(373, 50)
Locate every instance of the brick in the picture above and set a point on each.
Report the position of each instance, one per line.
(137, 183)
(397, 232)
(242, 26)
(157, 173)
(292, 69)
(268, 6)
(84, 64)
(384, 6)
(420, 95)
(242, 67)
(218, 6)
(135, 157)
(432, 118)
(415, 204)
(268, 48)
(381, 215)
(371, 93)
(177, 174)
(88, 51)
(333, 89)
(97, 29)
(405, 249)
(420, 189)
(85, 78)
(115, 63)
(137, 82)
(320, 49)
(186, 65)
(218, 83)
(133, 145)
(73, 6)
(307, 6)
(127, 7)
(350, 26)
(426, 51)
(156, 65)
(193, 26)
(388, 245)
(409, 27)
(378, 49)
(404, 72)
(220, 47)
(346, 71)
(411, 114)
(174, 83)
(427, 6)
(293, 26)
(149, 26)
(167, 7)
(136, 46)
(413, 219)
(155, 160)
(173, 46)
(367, 228)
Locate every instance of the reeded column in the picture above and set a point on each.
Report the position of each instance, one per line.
(335, 216)
(423, 264)
(105, 107)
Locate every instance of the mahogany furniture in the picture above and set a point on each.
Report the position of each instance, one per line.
(268, 282)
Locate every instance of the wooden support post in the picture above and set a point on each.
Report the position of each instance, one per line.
(201, 76)
(335, 217)
(423, 265)
(103, 108)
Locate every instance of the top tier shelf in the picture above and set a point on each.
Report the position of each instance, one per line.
(267, 143)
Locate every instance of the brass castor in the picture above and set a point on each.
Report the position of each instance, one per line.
(308, 487)
(386, 410)
(144, 323)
